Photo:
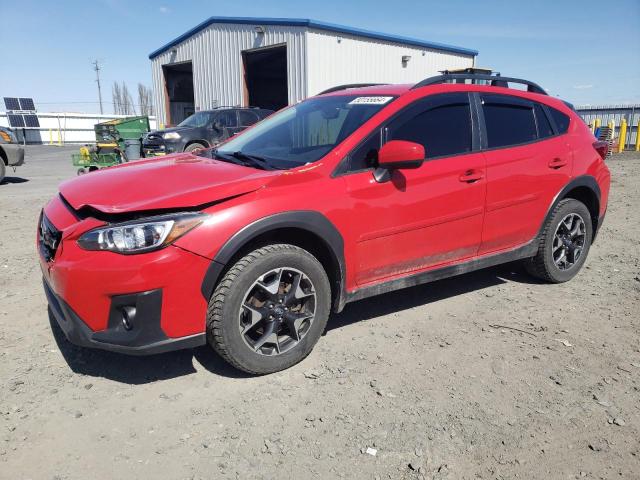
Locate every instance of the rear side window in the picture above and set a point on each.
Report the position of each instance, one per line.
(442, 126)
(247, 118)
(508, 121)
(544, 127)
(561, 120)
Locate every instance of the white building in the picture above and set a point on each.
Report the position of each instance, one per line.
(272, 62)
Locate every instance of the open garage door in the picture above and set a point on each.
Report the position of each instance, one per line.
(265, 74)
(179, 101)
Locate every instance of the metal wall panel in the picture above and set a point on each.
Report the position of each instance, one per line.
(335, 59)
(216, 53)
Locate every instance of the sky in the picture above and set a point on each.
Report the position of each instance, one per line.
(586, 52)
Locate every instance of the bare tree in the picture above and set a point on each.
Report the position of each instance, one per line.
(144, 100)
(122, 101)
(127, 102)
(116, 95)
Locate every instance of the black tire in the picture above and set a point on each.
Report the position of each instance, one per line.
(3, 170)
(543, 266)
(194, 146)
(223, 313)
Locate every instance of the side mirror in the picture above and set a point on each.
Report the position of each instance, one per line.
(398, 155)
(217, 126)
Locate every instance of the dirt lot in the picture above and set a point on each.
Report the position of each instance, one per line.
(420, 375)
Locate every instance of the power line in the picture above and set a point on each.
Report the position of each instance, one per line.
(96, 67)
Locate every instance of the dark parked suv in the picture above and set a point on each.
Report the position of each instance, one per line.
(355, 192)
(202, 129)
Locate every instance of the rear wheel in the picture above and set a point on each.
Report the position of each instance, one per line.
(565, 243)
(270, 309)
(194, 146)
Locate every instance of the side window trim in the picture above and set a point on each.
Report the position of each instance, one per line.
(480, 142)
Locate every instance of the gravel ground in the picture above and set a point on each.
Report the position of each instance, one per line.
(419, 383)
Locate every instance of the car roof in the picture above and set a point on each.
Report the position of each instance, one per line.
(400, 89)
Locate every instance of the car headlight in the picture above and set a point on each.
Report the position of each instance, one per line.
(141, 235)
(171, 136)
(8, 136)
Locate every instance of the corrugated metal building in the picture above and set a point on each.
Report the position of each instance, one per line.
(272, 62)
(606, 113)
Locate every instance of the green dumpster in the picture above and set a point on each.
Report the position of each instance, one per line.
(122, 134)
(117, 141)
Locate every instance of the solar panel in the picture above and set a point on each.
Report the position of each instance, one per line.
(15, 120)
(11, 103)
(27, 104)
(31, 121)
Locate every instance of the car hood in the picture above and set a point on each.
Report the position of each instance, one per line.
(171, 129)
(176, 181)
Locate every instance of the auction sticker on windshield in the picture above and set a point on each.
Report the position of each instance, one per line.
(370, 100)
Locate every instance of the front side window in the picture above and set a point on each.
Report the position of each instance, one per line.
(307, 131)
(365, 156)
(442, 125)
(509, 121)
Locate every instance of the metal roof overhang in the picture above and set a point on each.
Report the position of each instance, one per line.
(305, 22)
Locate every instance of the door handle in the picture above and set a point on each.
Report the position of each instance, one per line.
(471, 176)
(557, 163)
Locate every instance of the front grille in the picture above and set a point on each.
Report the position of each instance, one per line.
(48, 238)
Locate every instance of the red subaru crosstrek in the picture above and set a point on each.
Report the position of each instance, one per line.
(349, 194)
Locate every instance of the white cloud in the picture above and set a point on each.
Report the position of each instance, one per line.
(164, 9)
(583, 87)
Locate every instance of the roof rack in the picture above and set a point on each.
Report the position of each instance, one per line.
(350, 85)
(220, 107)
(495, 81)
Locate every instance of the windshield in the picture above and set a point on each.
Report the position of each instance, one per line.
(305, 132)
(197, 120)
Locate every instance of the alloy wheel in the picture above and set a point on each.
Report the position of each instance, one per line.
(277, 311)
(569, 241)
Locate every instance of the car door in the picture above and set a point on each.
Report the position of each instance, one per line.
(425, 217)
(528, 163)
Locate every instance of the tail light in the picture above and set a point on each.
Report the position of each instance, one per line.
(602, 148)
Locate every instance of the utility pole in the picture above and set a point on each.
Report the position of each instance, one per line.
(96, 67)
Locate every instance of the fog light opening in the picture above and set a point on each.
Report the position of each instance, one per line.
(128, 315)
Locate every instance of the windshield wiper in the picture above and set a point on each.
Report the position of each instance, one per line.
(245, 159)
(255, 160)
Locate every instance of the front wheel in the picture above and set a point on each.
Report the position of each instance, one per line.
(270, 309)
(565, 243)
(193, 147)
